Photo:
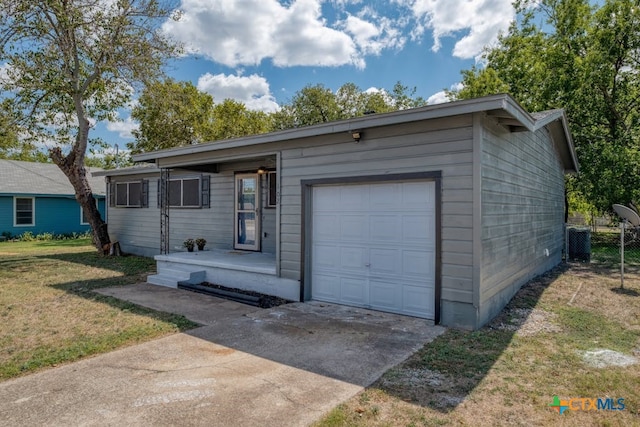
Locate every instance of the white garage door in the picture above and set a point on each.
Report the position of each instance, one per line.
(373, 246)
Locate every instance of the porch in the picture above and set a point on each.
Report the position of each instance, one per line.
(252, 271)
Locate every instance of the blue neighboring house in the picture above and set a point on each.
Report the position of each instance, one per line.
(38, 197)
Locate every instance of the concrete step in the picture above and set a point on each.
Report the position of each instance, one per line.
(160, 280)
(170, 278)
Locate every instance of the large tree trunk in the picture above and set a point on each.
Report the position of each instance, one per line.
(77, 174)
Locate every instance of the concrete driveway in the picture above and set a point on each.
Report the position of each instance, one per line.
(245, 367)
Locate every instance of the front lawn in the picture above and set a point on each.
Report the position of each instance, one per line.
(49, 314)
(560, 336)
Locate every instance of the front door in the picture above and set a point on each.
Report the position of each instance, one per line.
(247, 213)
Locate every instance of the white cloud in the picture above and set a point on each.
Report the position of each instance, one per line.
(123, 127)
(373, 33)
(441, 97)
(253, 91)
(438, 98)
(296, 33)
(236, 32)
(481, 20)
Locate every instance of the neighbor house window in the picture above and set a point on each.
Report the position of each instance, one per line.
(272, 193)
(23, 211)
(188, 192)
(84, 219)
(134, 194)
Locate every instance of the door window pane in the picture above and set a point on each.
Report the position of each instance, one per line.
(247, 194)
(247, 228)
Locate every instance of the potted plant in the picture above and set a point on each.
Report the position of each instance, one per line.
(189, 244)
(200, 242)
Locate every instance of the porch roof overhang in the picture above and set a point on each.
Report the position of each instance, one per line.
(502, 108)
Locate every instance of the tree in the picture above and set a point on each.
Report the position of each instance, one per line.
(318, 104)
(70, 62)
(232, 119)
(586, 59)
(171, 114)
(478, 82)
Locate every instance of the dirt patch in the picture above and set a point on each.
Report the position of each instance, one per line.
(424, 387)
(526, 321)
(604, 358)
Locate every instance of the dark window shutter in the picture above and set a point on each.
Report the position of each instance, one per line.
(205, 185)
(144, 193)
(112, 194)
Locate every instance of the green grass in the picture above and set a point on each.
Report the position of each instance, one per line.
(605, 249)
(495, 376)
(50, 314)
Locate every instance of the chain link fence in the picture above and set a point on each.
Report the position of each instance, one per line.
(598, 240)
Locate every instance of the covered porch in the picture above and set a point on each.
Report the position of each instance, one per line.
(254, 271)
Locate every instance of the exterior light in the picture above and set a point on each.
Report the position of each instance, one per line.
(356, 135)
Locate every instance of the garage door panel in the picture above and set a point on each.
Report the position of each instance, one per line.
(417, 229)
(385, 229)
(326, 287)
(324, 227)
(324, 200)
(384, 295)
(419, 264)
(353, 291)
(353, 228)
(385, 261)
(417, 196)
(418, 300)
(386, 197)
(352, 259)
(326, 257)
(373, 246)
(353, 198)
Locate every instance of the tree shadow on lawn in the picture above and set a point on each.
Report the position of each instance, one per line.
(626, 291)
(444, 372)
(134, 268)
(85, 289)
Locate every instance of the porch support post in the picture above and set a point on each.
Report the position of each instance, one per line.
(163, 195)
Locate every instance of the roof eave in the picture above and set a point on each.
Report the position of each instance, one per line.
(558, 125)
(509, 108)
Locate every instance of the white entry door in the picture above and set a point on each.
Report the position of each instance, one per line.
(247, 212)
(373, 246)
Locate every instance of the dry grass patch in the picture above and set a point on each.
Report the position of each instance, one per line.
(508, 372)
(50, 315)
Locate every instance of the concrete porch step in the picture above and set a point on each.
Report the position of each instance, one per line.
(170, 278)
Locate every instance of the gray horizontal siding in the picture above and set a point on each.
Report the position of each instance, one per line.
(440, 145)
(522, 213)
(138, 229)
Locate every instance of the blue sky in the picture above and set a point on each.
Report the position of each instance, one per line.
(261, 52)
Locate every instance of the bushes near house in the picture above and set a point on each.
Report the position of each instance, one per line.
(28, 236)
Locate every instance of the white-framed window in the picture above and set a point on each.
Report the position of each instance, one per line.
(129, 194)
(24, 211)
(272, 189)
(83, 217)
